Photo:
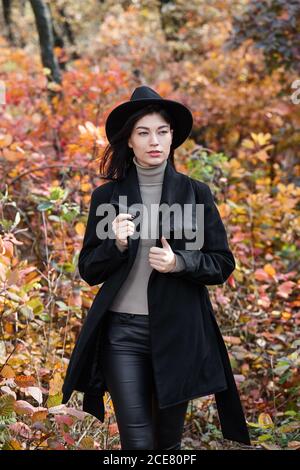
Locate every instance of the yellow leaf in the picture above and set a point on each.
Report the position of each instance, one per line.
(36, 305)
(265, 420)
(55, 384)
(85, 187)
(248, 144)
(87, 443)
(261, 139)
(80, 228)
(13, 444)
(7, 372)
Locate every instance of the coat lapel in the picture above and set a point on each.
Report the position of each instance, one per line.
(175, 189)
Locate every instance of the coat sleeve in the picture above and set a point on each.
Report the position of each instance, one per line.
(214, 262)
(98, 258)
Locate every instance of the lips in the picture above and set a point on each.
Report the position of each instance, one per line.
(154, 153)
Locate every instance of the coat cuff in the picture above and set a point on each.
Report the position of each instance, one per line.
(206, 268)
(120, 247)
(180, 264)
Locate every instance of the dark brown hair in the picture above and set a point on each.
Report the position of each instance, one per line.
(118, 156)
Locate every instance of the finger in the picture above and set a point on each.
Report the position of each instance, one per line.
(164, 241)
(158, 267)
(156, 257)
(156, 249)
(125, 232)
(118, 221)
(157, 264)
(123, 216)
(125, 223)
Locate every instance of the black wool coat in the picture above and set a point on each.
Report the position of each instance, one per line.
(189, 355)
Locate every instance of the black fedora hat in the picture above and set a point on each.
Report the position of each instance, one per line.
(142, 96)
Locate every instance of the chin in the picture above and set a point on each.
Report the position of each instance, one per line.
(152, 161)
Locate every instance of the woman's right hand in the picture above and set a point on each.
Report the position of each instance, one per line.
(123, 227)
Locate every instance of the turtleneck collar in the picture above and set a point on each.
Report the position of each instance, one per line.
(150, 175)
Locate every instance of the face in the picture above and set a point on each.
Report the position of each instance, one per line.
(151, 133)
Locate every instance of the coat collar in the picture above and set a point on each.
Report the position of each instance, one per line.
(172, 191)
(176, 188)
(129, 187)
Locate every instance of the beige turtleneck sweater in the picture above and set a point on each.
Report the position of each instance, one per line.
(132, 296)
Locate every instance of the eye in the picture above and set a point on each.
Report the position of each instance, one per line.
(161, 132)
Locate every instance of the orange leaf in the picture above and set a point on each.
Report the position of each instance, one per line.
(80, 228)
(286, 315)
(5, 140)
(268, 268)
(25, 381)
(39, 415)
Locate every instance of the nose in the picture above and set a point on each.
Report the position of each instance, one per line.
(153, 139)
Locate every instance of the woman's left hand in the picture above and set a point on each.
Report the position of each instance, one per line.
(162, 259)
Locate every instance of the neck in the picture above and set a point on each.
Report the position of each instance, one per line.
(150, 174)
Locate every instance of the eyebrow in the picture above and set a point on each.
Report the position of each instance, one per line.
(143, 127)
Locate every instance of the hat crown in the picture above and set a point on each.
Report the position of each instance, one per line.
(144, 93)
(142, 96)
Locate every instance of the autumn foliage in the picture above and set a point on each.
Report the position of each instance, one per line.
(245, 145)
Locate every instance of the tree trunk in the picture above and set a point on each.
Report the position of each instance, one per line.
(6, 5)
(45, 31)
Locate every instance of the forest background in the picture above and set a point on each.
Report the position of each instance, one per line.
(64, 65)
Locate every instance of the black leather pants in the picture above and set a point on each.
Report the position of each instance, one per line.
(127, 368)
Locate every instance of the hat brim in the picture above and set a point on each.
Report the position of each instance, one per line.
(180, 114)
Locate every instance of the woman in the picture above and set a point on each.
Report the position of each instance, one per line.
(150, 337)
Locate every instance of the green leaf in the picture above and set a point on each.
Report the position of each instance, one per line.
(43, 206)
(62, 305)
(265, 437)
(7, 405)
(54, 400)
(36, 305)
